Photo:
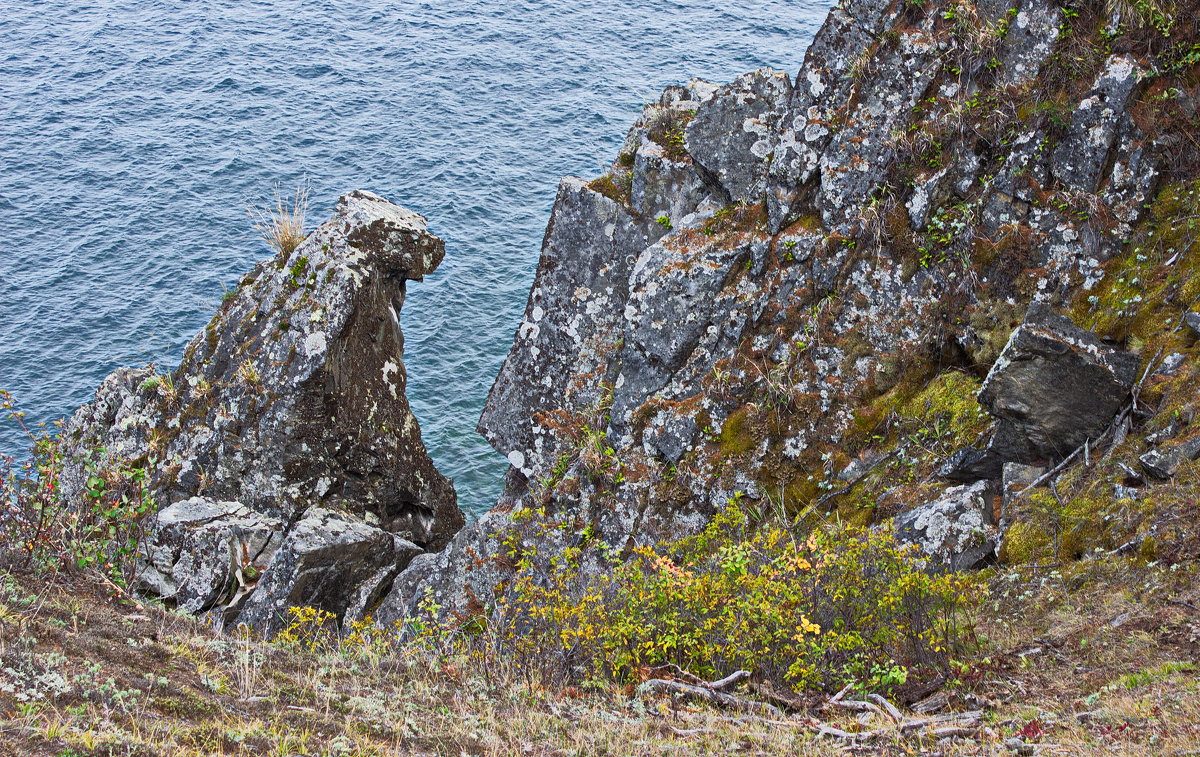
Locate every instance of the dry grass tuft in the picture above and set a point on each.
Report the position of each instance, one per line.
(282, 226)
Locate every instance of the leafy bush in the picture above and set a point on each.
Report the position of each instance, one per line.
(840, 605)
(40, 530)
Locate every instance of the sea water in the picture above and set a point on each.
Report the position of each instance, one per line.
(135, 134)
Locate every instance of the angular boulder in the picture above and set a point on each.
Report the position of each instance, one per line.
(734, 133)
(338, 564)
(957, 531)
(201, 554)
(292, 397)
(1053, 387)
(1162, 462)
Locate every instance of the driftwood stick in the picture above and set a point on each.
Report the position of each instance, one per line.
(891, 709)
(940, 726)
(706, 694)
(729, 681)
(838, 696)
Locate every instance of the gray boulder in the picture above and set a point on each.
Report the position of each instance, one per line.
(956, 531)
(338, 564)
(202, 555)
(734, 133)
(1162, 462)
(1192, 321)
(1053, 387)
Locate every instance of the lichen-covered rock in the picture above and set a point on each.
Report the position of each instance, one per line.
(1079, 158)
(733, 134)
(294, 393)
(1163, 462)
(340, 565)
(200, 555)
(293, 397)
(573, 325)
(956, 531)
(748, 309)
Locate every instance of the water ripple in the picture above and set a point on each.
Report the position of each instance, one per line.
(134, 134)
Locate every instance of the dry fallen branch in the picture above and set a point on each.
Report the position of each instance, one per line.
(710, 692)
(891, 709)
(954, 725)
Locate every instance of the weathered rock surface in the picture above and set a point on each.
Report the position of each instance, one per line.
(1162, 462)
(291, 399)
(1053, 387)
(340, 565)
(957, 531)
(770, 266)
(203, 554)
(735, 130)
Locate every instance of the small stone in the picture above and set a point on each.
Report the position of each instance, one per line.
(1192, 321)
(1164, 461)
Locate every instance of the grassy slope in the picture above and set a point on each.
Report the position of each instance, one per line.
(1108, 669)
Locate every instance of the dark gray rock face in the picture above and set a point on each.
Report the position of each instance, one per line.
(735, 131)
(957, 531)
(292, 398)
(1078, 160)
(1163, 461)
(1053, 387)
(340, 565)
(763, 258)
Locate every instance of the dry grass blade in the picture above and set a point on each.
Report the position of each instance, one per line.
(283, 226)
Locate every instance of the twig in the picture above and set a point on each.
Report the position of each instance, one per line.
(1048, 474)
(686, 731)
(838, 696)
(123, 592)
(858, 705)
(826, 497)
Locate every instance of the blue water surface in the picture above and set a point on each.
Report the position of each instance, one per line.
(134, 134)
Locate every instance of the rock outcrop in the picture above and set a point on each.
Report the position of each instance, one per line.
(916, 260)
(286, 423)
(771, 269)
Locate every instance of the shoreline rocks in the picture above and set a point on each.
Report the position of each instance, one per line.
(289, 409)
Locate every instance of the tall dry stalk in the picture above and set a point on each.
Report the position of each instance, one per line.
(282, 227)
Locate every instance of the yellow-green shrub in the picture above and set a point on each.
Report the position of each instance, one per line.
(836, 606)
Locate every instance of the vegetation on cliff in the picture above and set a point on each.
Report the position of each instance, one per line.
(753, 424)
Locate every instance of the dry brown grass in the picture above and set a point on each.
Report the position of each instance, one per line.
(148, 682)
(282, 227)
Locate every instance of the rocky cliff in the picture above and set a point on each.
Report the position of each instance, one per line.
(795, 288)
(283, 454)
(949, 262)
